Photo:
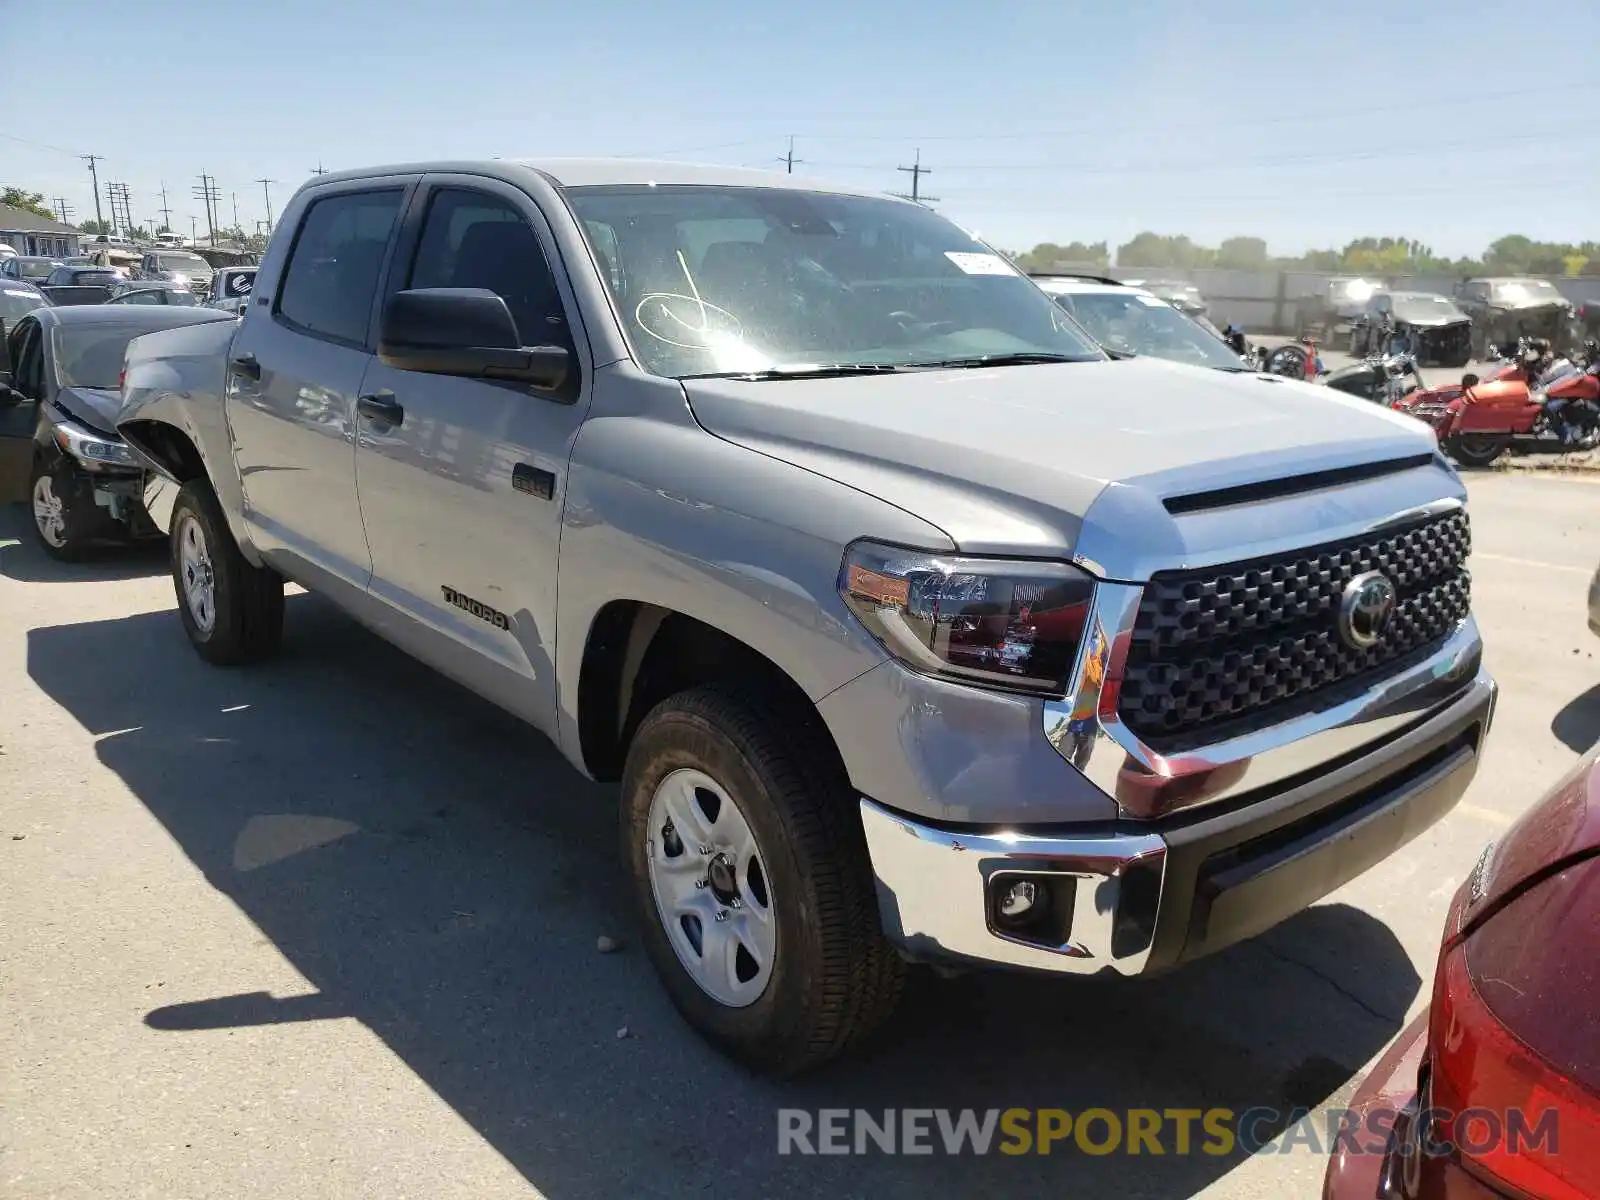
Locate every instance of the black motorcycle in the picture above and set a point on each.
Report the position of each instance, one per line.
(1381, 379)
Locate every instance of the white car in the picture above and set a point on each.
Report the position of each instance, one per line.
(1130, 320)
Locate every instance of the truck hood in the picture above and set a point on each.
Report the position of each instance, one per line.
(1009, 460)
(94, 407)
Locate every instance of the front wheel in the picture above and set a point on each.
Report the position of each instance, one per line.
(1476, 449)
(231, 609)
(55, 523)
(752, 881)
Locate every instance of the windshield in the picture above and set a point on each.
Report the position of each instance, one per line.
(1528, 291)
(16, 302)
(36, 268)
(1425, 308)
(91, 355)
(1137, 324)
(730, 280)
(189, 264)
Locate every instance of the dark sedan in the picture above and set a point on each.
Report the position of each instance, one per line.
(65, 368)
(1495, 1092)
(27, 268)
(153, 291)
(1427, 327)
(82, 285)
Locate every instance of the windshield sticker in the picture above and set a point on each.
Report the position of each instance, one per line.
(686, 320)
(980, 264)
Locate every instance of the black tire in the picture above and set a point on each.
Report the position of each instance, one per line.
(835, 978)
(66, 542)
(1476, 449)
(246, 601)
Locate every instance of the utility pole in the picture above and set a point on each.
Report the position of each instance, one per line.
(194, 231)
(95, 180)
(212, 196)
(121, 216)
(916, 170)
(166, 213)
(318, 169)
(266, 190)
(236, 224)
(64, 210)
(789, 159)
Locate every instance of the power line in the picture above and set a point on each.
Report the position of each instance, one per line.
(211, 195)
(166, 213)
(121, 216)
(94, 178)
(916, 170)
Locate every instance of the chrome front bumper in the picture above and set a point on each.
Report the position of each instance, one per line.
(1148, 895)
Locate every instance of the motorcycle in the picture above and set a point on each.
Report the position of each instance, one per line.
(1382, 379)
(1557, 413)
(1295, 360)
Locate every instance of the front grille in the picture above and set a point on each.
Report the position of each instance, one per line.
(1228, 648)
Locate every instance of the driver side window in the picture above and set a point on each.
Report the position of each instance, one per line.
(27, 351)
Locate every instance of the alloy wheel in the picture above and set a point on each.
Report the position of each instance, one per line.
(49, 512)
(197, 576)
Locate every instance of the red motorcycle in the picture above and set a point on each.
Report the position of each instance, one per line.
(1559, 413)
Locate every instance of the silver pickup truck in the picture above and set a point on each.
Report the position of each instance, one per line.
(913, 627)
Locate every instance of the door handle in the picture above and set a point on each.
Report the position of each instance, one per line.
(381, 406)
(247, 365)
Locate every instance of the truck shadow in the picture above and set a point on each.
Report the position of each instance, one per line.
(438, 872)
(22, 559)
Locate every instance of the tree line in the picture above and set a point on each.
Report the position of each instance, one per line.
(1510, 255)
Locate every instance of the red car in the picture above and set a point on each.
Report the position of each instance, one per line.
(1495, 1092)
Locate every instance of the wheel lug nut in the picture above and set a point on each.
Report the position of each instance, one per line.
(702, 883)
(722, 914)
(705, 850)
(733, 903)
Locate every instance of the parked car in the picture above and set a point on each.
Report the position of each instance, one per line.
(1182, 295)
(910, 624)
(1329, 317)
(153, 291)
(18, 299)
(1505, 309)
(1495, 1090)
(230, 288)
(85, 485)
(177, 265)
(1428, 327)
(1130, 320)
(82, 285)
(27, 268)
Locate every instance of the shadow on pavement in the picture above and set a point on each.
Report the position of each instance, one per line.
(438, 872)
(22, 558)
(1577, 725)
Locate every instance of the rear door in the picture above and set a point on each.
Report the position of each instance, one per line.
(462, 491)
(296, 369)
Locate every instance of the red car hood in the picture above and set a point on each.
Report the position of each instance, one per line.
(1561, 828)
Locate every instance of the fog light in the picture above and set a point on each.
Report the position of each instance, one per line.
(1019, 899)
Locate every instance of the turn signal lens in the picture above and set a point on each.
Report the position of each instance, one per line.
(994, 621)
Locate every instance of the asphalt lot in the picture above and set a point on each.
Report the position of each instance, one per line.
(327, 927)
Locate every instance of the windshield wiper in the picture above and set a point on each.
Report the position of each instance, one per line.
(811, 371)
(1022, 359)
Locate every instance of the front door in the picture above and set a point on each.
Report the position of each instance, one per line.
(462, 486)
(297, 367)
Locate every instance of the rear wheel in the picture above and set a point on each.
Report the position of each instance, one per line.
(231, 609)
(1476, 449)
(752, 882)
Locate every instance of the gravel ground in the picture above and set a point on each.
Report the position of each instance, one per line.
(328, 928)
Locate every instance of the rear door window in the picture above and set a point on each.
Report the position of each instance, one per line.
(332, 277)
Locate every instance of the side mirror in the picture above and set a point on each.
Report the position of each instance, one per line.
(467, 332)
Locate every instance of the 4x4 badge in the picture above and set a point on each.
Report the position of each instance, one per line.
(1365, 609)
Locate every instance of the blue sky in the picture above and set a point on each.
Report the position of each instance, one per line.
(1041, 121)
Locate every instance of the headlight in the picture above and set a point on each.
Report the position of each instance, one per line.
(91, 449)
(1004, 623)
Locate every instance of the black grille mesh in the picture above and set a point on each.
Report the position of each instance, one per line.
(1251, 641)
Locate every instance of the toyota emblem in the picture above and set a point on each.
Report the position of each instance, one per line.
(1365, 609)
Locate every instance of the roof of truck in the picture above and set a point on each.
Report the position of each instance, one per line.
(597, 172)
